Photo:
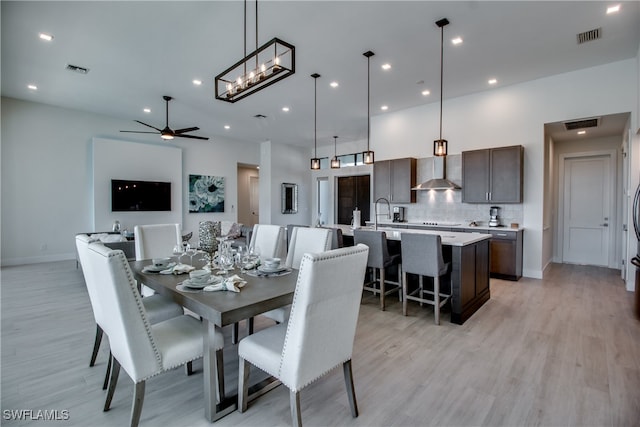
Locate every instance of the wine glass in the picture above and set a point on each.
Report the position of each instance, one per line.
(178, 251)
(241, 257)
(254, 255)
(226, 258)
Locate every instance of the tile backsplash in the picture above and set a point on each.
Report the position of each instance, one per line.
(446, 205)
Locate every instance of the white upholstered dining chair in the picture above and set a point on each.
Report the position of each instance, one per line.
(271, 239)
(320, 332)
(158, 308)
(143, 350)
(155, 241)
(303, 240)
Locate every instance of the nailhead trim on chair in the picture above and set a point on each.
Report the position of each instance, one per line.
(307, 258)
(133, 287)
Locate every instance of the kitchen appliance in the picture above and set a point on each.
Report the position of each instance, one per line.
(398, 214)
(494, 216)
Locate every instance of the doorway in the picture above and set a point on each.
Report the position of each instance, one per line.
(587, 207)
(248, 194)
(324, 202)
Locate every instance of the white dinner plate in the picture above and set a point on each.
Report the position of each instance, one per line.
(154, 269)
(199, 285)
(265, 269)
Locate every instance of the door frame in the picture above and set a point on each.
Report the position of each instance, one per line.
(613, 207)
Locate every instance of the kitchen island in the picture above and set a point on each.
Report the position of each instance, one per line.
(468, 254)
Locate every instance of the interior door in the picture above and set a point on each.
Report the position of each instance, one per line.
(587, 210)
(254, 198)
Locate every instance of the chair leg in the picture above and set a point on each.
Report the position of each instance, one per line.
(243, 384)
(436, 299)
(351, 392)
(105, 383)
(421, 287)
(250, 326)
(399, 282)
(96, 345)
(115, 370)
(234, 333)
(405, 291)
(188, 368)
(382, 279)
(220, 375)
(294, 400)
(138, 400)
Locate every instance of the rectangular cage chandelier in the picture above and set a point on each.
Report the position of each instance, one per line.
(268, 64)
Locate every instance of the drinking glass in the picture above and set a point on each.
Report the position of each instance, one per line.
(254, 255)
(178, 251)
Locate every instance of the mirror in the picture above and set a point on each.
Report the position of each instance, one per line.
(289, 198)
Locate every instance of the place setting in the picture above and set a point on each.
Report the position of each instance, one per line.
(204, 281)
(269, 267)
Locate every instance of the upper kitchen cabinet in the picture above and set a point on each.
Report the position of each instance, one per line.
(493, 175)
(393, 180)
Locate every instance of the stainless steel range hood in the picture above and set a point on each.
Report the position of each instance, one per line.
(438, 182)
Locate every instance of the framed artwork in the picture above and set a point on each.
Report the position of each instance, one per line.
(206, 193)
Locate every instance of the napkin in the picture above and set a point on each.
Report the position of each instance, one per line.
(233, 284)
(178, 269)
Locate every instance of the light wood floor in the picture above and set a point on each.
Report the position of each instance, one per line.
(563, 351)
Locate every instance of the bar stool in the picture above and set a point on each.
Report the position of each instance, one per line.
(379, 260)
(422, 255)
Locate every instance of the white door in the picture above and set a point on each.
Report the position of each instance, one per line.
(254, 199)
(587, 210)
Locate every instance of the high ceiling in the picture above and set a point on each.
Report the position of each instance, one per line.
(136, 52)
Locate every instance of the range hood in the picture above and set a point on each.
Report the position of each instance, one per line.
(438, 182)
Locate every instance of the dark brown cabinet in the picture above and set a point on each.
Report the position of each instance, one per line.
(493, 175)
(393, 180)
(506, 254)
(353, 192)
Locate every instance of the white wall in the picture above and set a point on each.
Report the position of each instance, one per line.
(47, 194)
(508, 116)
(281, 163)
(113, 159)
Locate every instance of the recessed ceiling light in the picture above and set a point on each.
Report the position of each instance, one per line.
(47, 37)
(386, 66)
(457, 40)
(425, 92)
(613, 9)
(334, 84)
(227, 127)
(492, 81)
(384, 108)
(285, 109)
(197, 82)
(582, 132)
(32, 87)
(146, 110)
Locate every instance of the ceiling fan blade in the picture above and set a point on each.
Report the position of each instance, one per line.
(152, 127)
(137, 131)
(192, 137)
(185, 130)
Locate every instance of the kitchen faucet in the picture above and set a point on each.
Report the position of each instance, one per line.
(375, 212)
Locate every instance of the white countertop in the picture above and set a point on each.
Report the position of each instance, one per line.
(451, 238)
(462, 225)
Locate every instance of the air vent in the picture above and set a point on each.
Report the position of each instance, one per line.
(590, 35)
(582, 124)
(77, 69)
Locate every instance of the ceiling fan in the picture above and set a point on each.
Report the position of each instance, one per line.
(167, 133)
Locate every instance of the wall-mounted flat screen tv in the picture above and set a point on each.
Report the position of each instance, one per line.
(142, 196)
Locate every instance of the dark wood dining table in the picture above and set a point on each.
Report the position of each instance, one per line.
(220, 308)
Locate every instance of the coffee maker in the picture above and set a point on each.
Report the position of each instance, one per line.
(398, 214)
(494, 216)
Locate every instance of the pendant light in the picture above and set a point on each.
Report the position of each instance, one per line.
(315, 162)
(335, 162)
(367, 156)
(440, 145)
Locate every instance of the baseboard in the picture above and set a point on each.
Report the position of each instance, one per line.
(37, 260)
(533, 274)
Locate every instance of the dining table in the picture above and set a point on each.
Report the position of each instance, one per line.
(261, 293)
